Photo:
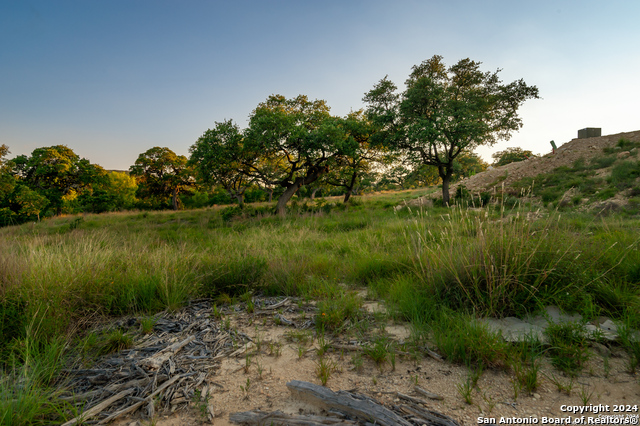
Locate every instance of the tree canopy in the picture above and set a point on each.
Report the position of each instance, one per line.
(444, 112)
(162, 175)
(511, 155)
(296, 139)
(57, 173)
(218, 156)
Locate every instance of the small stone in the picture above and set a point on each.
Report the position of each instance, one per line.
(536, 396)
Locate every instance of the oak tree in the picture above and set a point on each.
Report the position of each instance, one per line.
(218, 157)
(297, 138)
(444, 112)
(57, 173)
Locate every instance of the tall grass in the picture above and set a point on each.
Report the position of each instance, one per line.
(501, 265)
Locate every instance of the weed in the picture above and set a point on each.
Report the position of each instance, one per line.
(526, 375)
(258, 340)
(606, 366)
(515, 385)
(115, 341)
(474, 374)
(464, 390)
(569, 346)
(631, 344)
(245, 389)
(302, 350)
(202, 403)
(323, 344)
(260, 369)
(275, 349)
(358, 362)
(216, 312)
(324, 368)
(562, 387)
(299, 336)
(247, 364)
(585, 396)
(335, 312)
(489, 401)
(462, 339)
(378, 351)
(147, 324)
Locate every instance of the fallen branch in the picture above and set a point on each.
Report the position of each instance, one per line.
(154, 362)
(365, 409)
(97, 409)
(428, 394)
(279, 418)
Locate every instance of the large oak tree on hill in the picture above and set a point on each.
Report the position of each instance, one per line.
(444, 112)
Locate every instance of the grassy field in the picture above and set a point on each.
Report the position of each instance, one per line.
(436, 268)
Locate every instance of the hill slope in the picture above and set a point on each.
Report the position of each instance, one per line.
(566, 155)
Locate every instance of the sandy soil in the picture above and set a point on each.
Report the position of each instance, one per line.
(234, 387)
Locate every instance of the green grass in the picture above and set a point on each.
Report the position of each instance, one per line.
(568, 347)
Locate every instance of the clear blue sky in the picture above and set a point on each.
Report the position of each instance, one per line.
(111, 79)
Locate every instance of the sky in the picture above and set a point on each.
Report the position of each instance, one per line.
(111, 79)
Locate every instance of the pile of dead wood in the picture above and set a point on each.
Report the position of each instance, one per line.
(346, 408)
(163, 371)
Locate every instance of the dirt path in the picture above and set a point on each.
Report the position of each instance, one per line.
(258, 380)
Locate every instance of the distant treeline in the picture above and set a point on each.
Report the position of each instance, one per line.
(421, 136)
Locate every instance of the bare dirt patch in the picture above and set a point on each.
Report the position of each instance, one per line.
(257, 379)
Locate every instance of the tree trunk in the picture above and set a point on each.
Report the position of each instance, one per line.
(174, 198)
(446, 179)
(281, 207)
(240, 199)
(312, 175)
(313, 193)
(349, 192)
(270, 194)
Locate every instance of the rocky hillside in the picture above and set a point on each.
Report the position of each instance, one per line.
(566, 155)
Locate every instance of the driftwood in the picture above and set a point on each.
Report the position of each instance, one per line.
(93, 411)
(279, 418)
(346, 408)
(154, 362)
(135, 406)
(360, 407)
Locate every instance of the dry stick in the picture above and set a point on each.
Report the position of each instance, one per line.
(97, 409)
(410, 398)
(156, 361)
(147, 399)
(277, 305)
(428, 394)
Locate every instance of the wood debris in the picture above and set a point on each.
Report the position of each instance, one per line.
(164, 369)
(346, 408)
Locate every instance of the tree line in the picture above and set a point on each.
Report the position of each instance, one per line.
(423, 135)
